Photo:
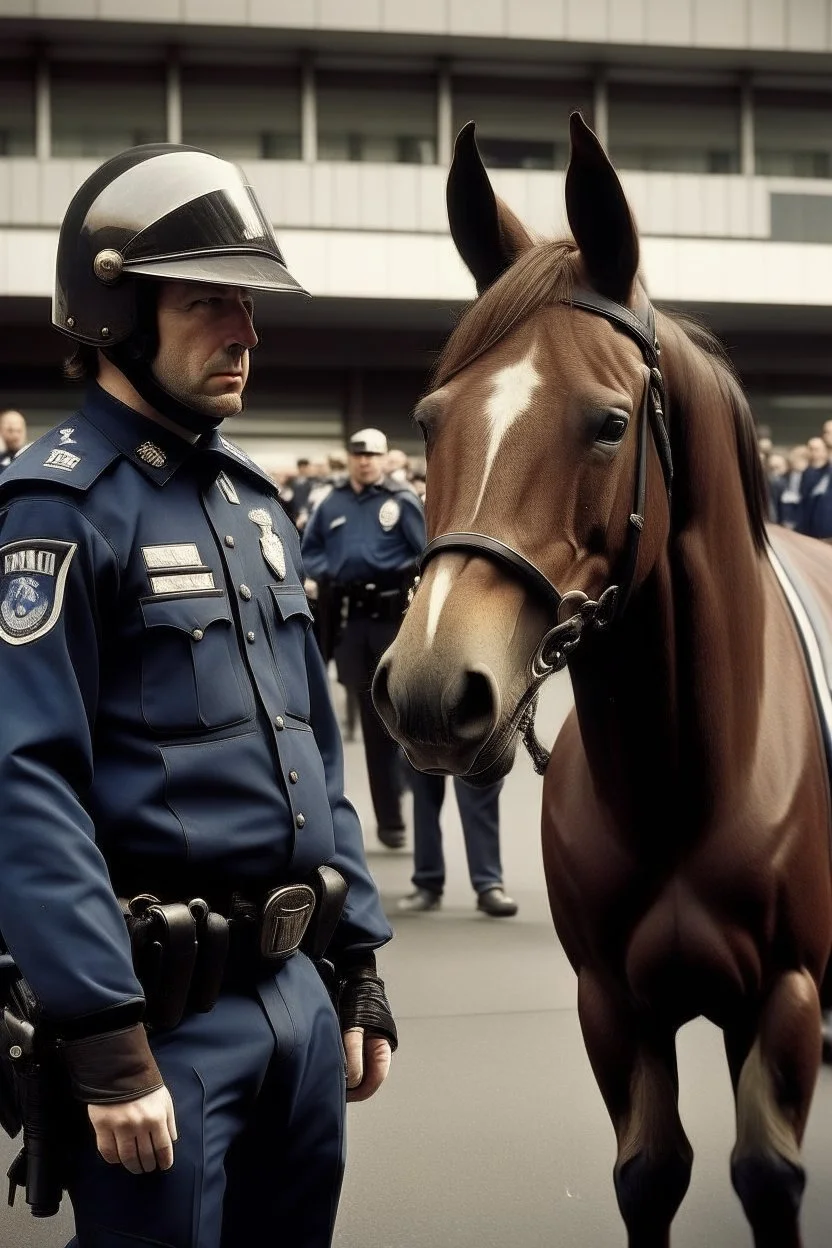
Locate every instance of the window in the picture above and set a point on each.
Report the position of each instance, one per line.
(99, 110)
(17, 109)
(674, 129)
(521, 123)
(793, 134)
(242, 112)
(376, 117)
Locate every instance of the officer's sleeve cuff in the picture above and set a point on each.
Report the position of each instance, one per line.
(112, 1067)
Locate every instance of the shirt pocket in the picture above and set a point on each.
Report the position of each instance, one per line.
(192, 672)
(288, 618)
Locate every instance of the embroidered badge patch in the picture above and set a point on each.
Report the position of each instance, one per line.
(270, 543)
(32, 581)
(63, 460)
(229, 492)
(389, 514)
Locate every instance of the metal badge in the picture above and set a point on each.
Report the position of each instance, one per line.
(66, 437)
(151, 454)
(32, 582)
(270, 543)
(388, 517)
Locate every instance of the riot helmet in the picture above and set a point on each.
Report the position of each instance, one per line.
(163, 211)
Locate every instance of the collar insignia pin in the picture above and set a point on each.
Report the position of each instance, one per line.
(270, 543)
(151, 454)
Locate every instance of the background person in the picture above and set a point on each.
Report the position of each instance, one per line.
(479, 811)
(14, 436)
(361, 545)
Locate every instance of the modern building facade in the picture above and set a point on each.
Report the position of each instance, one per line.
(718, 113)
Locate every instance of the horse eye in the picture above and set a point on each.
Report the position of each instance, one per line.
(613, 429)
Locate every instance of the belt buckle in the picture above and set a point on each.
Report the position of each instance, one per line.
(286, 914)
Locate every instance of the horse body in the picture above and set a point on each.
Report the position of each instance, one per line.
(686, 810)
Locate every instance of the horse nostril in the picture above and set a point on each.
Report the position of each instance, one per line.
(473, 716)
(381, 694)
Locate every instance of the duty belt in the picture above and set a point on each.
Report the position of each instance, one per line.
(182, 950)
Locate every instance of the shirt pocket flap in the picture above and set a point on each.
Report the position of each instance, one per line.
(187, 614)
(290, 600)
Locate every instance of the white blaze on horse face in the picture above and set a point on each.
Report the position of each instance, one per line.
(511, 394)
(439, 591)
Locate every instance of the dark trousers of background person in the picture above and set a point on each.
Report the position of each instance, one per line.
(357, 653)
(479, 811)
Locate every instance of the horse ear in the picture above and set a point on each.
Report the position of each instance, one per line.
(488, 236)
(599, 215)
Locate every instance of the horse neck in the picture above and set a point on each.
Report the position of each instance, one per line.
(672, 693)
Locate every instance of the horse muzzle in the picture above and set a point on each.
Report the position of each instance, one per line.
(443, 723)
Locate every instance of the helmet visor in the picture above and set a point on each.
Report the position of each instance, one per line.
(247, 268)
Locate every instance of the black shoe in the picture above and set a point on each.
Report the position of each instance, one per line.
(392, 837)
(493, 901)
(419, 901)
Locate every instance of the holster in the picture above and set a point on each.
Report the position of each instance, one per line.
(34, 1096)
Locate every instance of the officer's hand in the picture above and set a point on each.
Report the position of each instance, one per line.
(368, 1061)
(137, 1134)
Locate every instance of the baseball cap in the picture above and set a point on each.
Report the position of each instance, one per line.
(368, 442)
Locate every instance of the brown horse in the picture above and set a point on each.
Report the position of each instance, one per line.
(575, 439)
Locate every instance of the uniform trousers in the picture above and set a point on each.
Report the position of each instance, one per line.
(479, 810)
(258, 1087)
(357, 654)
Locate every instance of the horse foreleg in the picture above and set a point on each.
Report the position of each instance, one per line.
(774, 1085)
(635, 1066)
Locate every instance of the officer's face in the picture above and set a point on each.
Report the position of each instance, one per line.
(366, 469)
(205, 335)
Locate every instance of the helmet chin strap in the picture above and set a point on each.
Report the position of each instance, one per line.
(139, 372)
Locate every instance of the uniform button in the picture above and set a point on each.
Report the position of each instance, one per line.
(250, 636)
(300, 821)
(197, 634)
(278, 723)
(245, 592)
(229, 540)
(294, 777)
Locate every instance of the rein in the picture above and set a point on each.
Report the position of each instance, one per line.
(574, 611)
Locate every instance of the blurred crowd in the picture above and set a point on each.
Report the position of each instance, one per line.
(302, 489)
(800, 496)
(14, 436)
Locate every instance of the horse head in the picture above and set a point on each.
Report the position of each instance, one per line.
(539, 461)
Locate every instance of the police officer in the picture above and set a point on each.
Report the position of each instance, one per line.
(361, 545)
(173, 769)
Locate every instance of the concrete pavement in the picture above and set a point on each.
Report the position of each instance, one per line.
(490, 1131)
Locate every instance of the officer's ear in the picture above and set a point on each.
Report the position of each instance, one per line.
(488, 236)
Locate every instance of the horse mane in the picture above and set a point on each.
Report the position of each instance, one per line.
(754, 488)
(547, 273)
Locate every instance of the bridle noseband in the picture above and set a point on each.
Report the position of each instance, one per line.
(554, 650)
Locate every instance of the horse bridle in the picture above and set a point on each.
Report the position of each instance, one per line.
(554, 650)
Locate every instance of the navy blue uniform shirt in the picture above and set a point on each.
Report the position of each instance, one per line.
(355, 536)
(164, 698)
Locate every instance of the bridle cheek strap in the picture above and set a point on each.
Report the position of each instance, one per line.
(574, 611)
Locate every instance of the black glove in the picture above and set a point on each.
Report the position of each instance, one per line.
(362, 1001)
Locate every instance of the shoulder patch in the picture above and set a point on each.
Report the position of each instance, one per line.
(32, 581)
(51, 459)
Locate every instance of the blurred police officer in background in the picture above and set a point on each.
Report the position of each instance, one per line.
(14, 436)
(175, 845)
(361, 545)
